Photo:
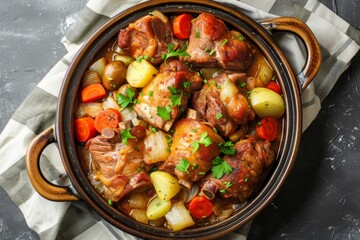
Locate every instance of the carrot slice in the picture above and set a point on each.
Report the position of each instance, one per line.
(106, 119)
(201, 207)
(182, 26)
(93, 93)
(117, 113)
(84, 129)
(267, 129)
(274, 86)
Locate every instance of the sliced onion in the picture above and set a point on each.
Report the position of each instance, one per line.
(139, 215)
(138, 200)
(160, 15)
(124, 58)
(127, 114)
(188, 195)
(110, 103)
(179, 217)
(156, 148)
(99, 66)
(92, 109)
(80, 111)
(90, 77)
(228, 90)
(223, 210)
(117, 49)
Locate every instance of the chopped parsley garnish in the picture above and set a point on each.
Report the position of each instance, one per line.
(110, 202)
(212, 52)
(187, 84)
(218, 116)
(164, 112)
(243, 84)
(175, 53)
(197, 33)
(204, 140)
(273, 78)
(153, 129)
(127, 101)
(183, 165)
(241, 37)
(224, 42)
(246, 179)
(220, 167)
(195, 146)
(227, 185)
(125, 135)
(176, 96)
(139, 58)
(227, 148)
(151, 93)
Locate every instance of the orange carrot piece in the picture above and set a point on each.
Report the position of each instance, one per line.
(93, 93)
(274, 86)
(84, 129)
(267, 129)
(106, 119)
(182, 26)
(201, 207)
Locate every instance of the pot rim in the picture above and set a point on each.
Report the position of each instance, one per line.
(291, 127)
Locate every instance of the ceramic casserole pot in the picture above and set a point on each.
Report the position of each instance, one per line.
(62, 132)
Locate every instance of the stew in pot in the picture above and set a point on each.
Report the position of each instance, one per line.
(178, 120)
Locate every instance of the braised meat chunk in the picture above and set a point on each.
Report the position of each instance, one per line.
(221, 103)
(117, 165)
(194, 145)
(212, 44)
(252, 157)
(163, 99)
(148, 36)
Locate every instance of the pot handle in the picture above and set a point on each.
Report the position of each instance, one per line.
(299, 28)
(39, 182)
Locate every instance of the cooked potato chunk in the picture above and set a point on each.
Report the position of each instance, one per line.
(165, 184)
(114, 75)
(157, 208)
(267, 103)
(139, 73)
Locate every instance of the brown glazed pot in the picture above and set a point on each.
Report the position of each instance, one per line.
(62, 133)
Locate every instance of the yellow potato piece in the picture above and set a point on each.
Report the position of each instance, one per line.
(165, 184)
(139, 73)
(267, 103)
(157, 208)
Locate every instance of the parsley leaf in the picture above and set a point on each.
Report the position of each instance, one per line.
(125, 135)
(176, 96)
(218, 116)
(220, 167)
(187, 84)
(127, 100)
(183, 165)
(164, 112)
(175, 53)
(195, 146)
(227, 148)
(205, 139)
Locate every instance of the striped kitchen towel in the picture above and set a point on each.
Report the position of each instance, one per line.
(60, 220)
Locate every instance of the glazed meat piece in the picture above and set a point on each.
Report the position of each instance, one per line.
(148, 36)
(212, 44)
(196, 145)
(169, 91)
(223, 104)
(252, 157)
(117, 165)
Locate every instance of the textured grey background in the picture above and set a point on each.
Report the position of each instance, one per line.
(319, 200)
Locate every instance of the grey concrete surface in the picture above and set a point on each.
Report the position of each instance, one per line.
(319, 200)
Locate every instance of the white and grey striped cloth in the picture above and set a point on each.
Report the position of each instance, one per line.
(61, 220)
